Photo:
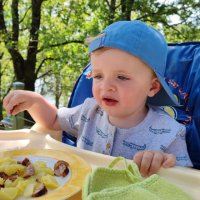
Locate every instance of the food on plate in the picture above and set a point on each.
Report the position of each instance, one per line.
(61, 168)
(40, 190)
(27, 179)
(49, 181)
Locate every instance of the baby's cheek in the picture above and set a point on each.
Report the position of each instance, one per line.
(94, 91)
(96, 94)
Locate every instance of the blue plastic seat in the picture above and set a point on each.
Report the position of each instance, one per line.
(183, 76)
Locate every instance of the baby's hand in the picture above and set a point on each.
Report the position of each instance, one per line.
(18, 100)
(149, 162)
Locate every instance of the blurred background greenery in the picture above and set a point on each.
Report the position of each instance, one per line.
(42, 42)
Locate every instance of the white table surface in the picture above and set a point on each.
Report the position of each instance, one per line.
(185, 178)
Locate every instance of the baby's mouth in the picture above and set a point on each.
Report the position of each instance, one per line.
(109, 101)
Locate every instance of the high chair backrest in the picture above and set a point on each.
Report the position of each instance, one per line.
(183, 76)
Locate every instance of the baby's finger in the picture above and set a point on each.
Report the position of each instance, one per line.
(169, 160)
(6, 99)
(138, 158)
(7, 102)
(156, 163)
(20, 108)
(17, 109)
(146, 162)
(14, 102)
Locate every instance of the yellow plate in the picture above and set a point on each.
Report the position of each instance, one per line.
(72, 184)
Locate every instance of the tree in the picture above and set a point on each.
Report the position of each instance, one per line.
(26, 26)
(1, 116)
(6, 76)
(24, 68)
(159, 14)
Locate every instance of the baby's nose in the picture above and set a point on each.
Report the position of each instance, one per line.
(108, 85)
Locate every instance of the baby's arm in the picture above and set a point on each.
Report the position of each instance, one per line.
(39, 108)
(149, 162)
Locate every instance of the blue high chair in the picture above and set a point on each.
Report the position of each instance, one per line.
(183, 76)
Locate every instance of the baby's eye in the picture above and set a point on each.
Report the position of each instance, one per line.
(123, 78)
(96, 76)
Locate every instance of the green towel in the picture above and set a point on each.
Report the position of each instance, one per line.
(106, 183)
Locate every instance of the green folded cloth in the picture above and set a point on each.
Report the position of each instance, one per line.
(107, 183)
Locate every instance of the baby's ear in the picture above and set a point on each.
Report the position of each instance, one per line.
(155, 87)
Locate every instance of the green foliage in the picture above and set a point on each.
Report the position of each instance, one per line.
(6, 71)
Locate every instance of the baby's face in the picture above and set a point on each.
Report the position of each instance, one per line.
(121, 83)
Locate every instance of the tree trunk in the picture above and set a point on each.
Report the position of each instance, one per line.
(25, 69)
(112, 8)
(126, 8)
(1, 108)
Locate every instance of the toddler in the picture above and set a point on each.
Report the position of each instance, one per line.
(124, 118)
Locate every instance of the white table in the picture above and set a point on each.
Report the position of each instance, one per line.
(185, 178)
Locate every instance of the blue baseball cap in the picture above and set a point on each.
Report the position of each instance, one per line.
(144, 42)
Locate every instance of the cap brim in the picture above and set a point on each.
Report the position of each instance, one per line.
(164, 97)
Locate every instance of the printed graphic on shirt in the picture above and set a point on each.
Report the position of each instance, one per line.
(84, 118)
(101, 133)
(134, 146)
(71, 121)
(99, 111)
(86, 141)
(159, 130)
(180, 158)
(163, 148)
